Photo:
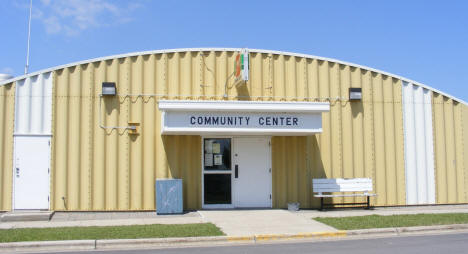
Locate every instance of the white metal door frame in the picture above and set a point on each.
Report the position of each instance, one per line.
(232, 205)
(235, 187)
(15, 164)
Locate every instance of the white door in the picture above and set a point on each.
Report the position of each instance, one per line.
(252, 172)
(31, 172)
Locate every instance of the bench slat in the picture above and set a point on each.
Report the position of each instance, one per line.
(342, 186)
(321, 185)
(345, 195)
(342, 180)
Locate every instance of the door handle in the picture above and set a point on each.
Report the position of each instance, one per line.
(236, 171)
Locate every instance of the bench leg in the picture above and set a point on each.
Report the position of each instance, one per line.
(321, 204)
(368, 202)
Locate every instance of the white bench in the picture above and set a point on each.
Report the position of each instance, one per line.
(325, 185)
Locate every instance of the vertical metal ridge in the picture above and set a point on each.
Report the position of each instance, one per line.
(465, 148)
(3, 135)
(387, 109)
(459, 160)
(400, 147)
(379, 137)
(7, 109)
(450, 136)
(53, 125)
(429, 134)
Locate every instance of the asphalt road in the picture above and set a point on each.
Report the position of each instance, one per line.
(427, 244)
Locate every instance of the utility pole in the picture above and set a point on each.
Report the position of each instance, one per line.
(29, 39)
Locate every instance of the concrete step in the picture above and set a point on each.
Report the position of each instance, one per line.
(26, 216)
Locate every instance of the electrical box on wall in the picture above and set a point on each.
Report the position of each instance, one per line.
(169, 196)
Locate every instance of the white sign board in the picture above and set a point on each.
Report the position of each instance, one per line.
(242, 118)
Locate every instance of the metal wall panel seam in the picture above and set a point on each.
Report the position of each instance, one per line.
(52, 141)
(340, 123)
(4, 151)
(464, 148)
(90, 135)
(200, 75)
(12, 126)
(372, 135)
(434, 148)
(2, 142)
(305, 76)
(425, 144)
(445, 122)
(383, 137)
(401, 181)
(461, 161)
(458, 157)
(53, 145)
(128, 73)
(404, 109)
(451, 153)
(270, 74)
(421, 169)
(390, 140)
(429, 146)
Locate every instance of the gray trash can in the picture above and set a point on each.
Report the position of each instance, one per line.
(169, 198)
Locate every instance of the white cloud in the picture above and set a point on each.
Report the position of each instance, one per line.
(74, 16)
(7, 70)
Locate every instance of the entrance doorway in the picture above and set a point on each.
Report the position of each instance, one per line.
(31, 172)
(236, 172)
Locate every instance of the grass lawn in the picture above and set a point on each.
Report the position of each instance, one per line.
(408, 220)
(114, 232)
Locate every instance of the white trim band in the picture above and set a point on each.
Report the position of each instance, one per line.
(244, 106)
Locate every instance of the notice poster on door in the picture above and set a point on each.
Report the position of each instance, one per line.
(216, 148)
(209, 146)
(218, 159)
(208, 159)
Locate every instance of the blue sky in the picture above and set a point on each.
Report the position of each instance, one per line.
(423, 40)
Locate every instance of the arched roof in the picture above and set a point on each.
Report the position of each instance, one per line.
(229, 49)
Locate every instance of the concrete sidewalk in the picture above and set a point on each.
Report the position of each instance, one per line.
(263, 222)
(85, 219)
(232, 222)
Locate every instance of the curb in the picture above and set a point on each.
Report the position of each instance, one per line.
(48, 245)
(155, 242)
(160, 242)
(400, 230)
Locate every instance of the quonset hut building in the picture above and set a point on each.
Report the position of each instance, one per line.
(94, 135)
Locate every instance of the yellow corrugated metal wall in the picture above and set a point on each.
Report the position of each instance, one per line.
(96, 168)
(7, 115)
(450, 127)
(359, 139)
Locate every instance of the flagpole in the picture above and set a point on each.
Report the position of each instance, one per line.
(29, 38)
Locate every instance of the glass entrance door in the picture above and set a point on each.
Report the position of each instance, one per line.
(217, 172)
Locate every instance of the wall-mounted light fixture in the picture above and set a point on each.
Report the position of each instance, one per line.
(355, 94)
(109, 89)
